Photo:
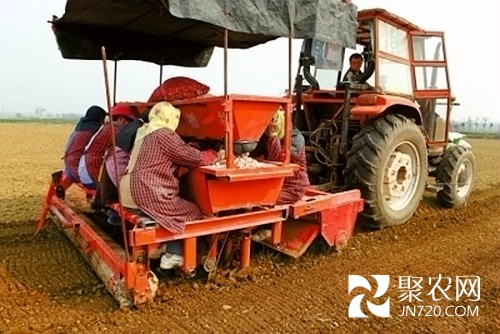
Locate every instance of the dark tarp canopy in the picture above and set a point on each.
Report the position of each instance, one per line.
(184, 32)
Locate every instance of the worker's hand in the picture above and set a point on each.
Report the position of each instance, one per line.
(209, 156)
(221, 155)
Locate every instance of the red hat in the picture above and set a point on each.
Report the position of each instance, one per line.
(122, 110)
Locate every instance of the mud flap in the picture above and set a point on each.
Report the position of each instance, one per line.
(331, 215)
(336, 214)
(337, 222)
(296, 236)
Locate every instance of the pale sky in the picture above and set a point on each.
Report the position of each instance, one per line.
(34, 74)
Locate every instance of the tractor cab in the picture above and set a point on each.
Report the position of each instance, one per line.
(402, 65)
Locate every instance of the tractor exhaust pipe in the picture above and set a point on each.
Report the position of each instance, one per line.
(345, 119)
(306, 60)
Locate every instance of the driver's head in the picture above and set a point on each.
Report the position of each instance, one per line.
(355, 62)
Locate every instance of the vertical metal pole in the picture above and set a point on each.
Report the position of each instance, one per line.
(246, 245)
(447, 120)
(226, 42)
(289, 106)
(228, 111)
(290, 78)
(113, 145)
(189, 250)
(115, 75)
(276, 232)
(161, 74)
(346, 113)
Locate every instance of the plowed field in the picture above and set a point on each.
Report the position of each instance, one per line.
(46, 287)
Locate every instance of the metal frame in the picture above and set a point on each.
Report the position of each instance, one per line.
(127, 278)
(125, 271)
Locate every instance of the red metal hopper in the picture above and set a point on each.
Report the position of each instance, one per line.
(217, 189)
(204, 117)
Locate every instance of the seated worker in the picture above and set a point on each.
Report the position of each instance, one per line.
(271, 147)
(150, 182)
(125, 139)
(110, 177)
(91, 161)
(86, 127)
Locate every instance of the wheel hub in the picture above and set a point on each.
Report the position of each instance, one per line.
(462, 176)
(398, 175)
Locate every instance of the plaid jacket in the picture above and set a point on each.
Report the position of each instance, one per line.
(97, 148)
(294, 186)
(74, 151)
(154, 185)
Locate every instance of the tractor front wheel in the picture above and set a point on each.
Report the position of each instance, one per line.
(455, 174)
(388, 163)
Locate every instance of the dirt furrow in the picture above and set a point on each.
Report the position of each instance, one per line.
(46, 286)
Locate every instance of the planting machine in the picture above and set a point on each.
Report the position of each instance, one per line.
(371, 144)
(235, 202)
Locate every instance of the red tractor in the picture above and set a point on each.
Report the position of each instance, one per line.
(387, 132)
(372, 142)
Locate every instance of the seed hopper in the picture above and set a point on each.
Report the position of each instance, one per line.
(235, 201)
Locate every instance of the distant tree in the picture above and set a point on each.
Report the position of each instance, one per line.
(39, 111)
(18, 115)
(469, 124)
(485, 123)
(491, 126)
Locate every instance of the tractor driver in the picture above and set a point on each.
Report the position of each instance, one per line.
(354, 72)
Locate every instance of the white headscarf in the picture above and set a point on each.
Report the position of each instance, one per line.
(162, 115)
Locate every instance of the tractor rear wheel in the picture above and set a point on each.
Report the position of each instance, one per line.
(388, 163)
(455, 173)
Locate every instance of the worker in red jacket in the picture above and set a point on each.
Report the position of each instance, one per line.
(86, 127)
(91, 161)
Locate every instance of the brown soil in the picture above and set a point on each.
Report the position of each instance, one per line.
(46, 287)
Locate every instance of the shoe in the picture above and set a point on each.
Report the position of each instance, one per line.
(113, 221)
(113, 218)
(169, 261)
(153, 283)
